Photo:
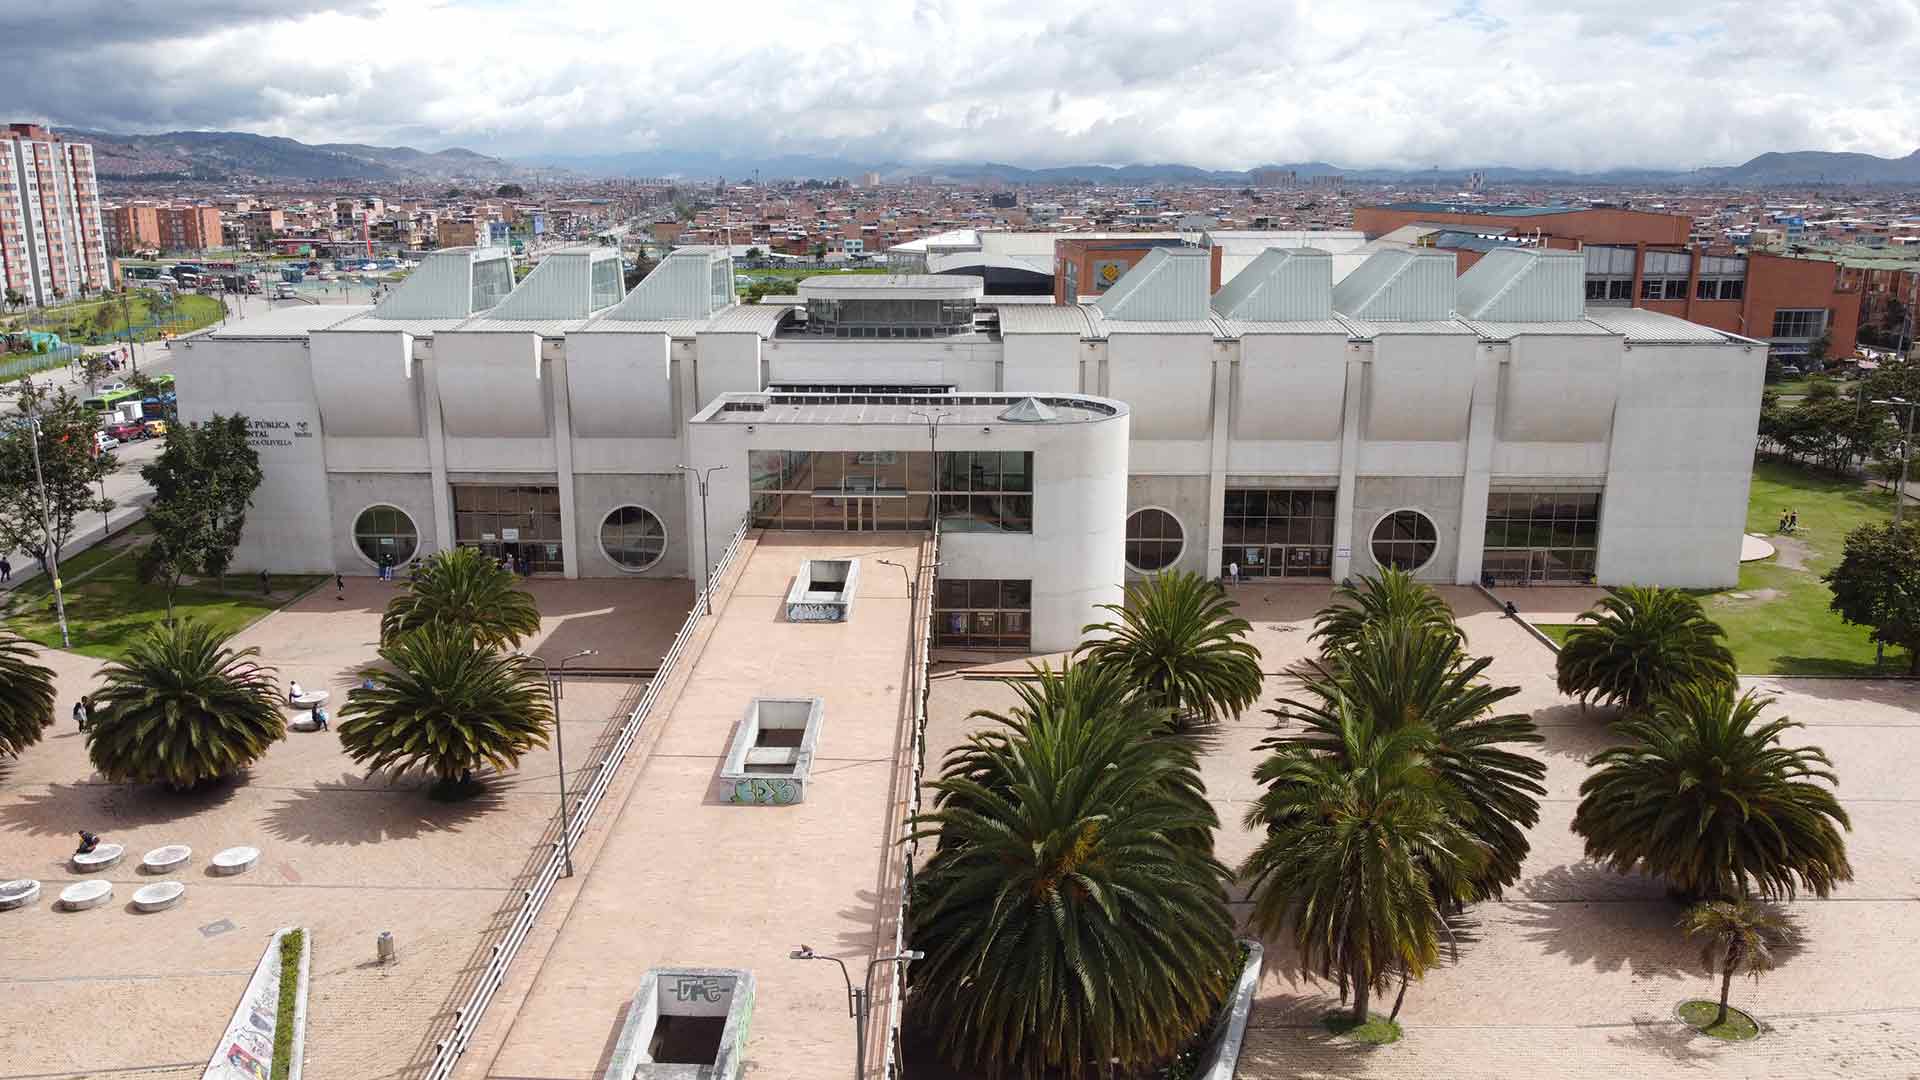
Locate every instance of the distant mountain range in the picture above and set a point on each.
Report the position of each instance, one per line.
(230, 155)
(233, 155)
(1801, 167)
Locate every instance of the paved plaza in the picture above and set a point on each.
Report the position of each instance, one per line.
(108, 992)
(1576, 973)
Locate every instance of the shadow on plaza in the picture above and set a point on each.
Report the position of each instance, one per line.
(1668, 1039)
(1576, 731)
(65, 809)
(1623, 932)
(348, 811)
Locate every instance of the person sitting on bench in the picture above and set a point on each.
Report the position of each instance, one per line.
(88, 842)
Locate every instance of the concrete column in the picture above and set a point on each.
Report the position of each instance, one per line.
(436, 451)
(1224, 355)
(1349, 465)
(563, 467)
(1479, 473)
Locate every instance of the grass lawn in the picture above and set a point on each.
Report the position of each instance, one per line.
(1699, 1016)
(1377, 1031)
(1777, 619)
(106, 609)
(76, 322)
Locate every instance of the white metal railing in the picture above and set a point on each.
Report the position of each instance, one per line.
(920, 687)
(466, 1018)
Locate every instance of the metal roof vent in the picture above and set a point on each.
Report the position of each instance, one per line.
(1029, 410)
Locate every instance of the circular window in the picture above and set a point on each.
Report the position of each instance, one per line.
(1405, 540)
(633, 538)
(385, 532)
(1154, 540)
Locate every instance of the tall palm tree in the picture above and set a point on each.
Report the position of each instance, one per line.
(1644, 641)
(1181, 646)
(1705, 796)
(449, 704)
(1404, 674)
(464, 589)
(1365, 852)
(26, 696)
(181, 707)
(1066, 918)
(1392, 596)
(1739, 935)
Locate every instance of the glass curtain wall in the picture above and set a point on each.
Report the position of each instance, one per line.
(1542, 536)
(881, 490)
(519, 521)
(1278, 532)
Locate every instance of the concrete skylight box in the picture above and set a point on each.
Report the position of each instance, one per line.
(772, 751)
(686, 1023)
(823, 590)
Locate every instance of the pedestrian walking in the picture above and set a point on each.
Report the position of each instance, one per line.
(6, 570)
(266, 584)
(1793, 521)
(339, 587)
(1233, 572)
(83, 713)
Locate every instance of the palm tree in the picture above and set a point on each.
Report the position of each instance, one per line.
(1066, 920)
(181, 707)
(1739, 935)
(1180, 645)
(26, 696)
(1706, 797)
(449, 704)
(1403, 674)
(1392, 596)
(1644, 641)
(1365, 852)
(463, 588)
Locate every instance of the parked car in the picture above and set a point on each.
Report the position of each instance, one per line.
(128, 432)
(103, 442)
(155, 428)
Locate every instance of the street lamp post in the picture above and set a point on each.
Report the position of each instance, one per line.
(933, 418)
(554, 694)
(859, 1002)
(1906, 451)
(706, 538)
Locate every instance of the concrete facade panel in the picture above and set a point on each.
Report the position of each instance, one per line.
(1186, 498)
(1167, 380)
(491, 385)
(1438, 497)
(1559, 389)
(1290, 387)
(353, 493)
(662, 494)
(620, 385)
(1418, 388)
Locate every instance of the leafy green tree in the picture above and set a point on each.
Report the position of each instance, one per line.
(1178, 642)
(1405, 675)
(71, 464)
(1392, 596)
(1644, 641)
(181, 707)
(510, 191)
(1365, 850)
(203, 483)
(1068, 919)
(15, 298)
(1877, 584)
(463, 590)
(448, 705)
(26, 696)
(1704, 795)
(1738, 935)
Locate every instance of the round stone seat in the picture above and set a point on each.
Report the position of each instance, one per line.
(235, 860)
(171, 857)
(101, 857)
(308, 699)
(19, 893)
(159, 896)
(82, 895)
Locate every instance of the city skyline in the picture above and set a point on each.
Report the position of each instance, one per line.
(1567, 86)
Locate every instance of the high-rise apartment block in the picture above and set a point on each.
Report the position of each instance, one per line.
(51, 241)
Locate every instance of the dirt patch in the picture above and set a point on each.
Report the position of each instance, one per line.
(1789, 552)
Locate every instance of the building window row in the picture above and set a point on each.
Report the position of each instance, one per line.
(1278, 532)
(1805, 323)
(882, 490)
(983, 613)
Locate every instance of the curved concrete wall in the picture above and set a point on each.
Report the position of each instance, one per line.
(365, 384)
(1292, 387)
(490, 384)
(1559, 389)
(620, 385)
(1419, 387)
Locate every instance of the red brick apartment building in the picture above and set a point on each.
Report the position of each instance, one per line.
(1644, 260)
(189, 228)
(52, 241)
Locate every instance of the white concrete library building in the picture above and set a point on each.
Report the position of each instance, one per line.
(1288, 426)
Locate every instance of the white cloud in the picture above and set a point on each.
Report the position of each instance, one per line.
(1564, 83)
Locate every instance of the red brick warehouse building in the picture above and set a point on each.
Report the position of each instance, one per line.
(1646, 260)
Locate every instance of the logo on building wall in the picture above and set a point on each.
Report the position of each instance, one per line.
(1107, 271)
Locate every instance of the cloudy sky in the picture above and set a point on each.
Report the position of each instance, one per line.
(1376, 83)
